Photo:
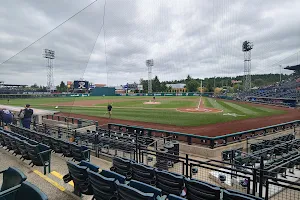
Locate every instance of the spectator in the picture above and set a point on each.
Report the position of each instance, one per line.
(7, 118)
(25, 116)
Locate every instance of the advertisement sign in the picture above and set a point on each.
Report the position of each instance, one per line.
(81, 85)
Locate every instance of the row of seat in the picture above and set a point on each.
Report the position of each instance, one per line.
(112, 185)
(270, 143)
(15, 187)
(68, 149)
(38, 153)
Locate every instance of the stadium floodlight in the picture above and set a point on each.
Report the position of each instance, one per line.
(149, 64)
(50, 56)
(247, 47)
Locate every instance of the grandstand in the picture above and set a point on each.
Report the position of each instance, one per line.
(285, 93)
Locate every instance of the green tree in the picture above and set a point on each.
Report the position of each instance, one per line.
(192, 86)
(188, 79)
(156, 87)
(258, 82)
(62, 87)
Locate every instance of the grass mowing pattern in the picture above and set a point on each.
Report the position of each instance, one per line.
(164, 115)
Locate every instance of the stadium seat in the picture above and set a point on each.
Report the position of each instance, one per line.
(80, 152)
(122, 166)
(40, 155)
(80, 178)
(201, 190)
(126, 192)
(111, 174)
(143, 173)
(146, 188)
(66, 148)
(103, 187)
(30, 191)
(56, 145)
(174, 197)
(169, 183)
(11, 178)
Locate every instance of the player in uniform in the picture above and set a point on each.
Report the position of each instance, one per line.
(109, 108)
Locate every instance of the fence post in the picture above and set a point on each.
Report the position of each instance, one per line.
(136, 148)
(254, 182)
(261, 176)
(267, 189)
(186, 165)
(97, 125)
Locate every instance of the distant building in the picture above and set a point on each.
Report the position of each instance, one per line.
(177, 87)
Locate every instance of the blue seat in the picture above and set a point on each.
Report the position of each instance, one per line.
(80, 178)
(146, 188)
(197, 190)
(235, 195)
(122, 166)
(174, 197)
(143, 173)
(66, 148)
(30, 191)
(103, 187)
(169, 183)
(80, 152)
(111, 174)
(12, 178)
(126, 192)
(40, 155)
(89, 165)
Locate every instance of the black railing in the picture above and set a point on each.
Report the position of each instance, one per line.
(210, 142)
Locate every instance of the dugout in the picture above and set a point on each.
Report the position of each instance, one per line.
(103, 91)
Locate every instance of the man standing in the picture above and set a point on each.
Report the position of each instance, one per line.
(109, 108)
(26, 116)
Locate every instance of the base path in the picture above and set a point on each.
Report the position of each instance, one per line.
(207, 130)
(200, 108)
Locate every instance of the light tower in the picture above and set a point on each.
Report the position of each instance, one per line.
(49, 55)
(247, 47)
(149, 64)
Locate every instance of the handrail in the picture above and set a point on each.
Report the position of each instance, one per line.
(211, 140)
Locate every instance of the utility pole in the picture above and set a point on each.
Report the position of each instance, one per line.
(201, 87)
(214, 83)
(280, 73)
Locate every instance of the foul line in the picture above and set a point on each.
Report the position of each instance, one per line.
(55, 184)
(199, 103)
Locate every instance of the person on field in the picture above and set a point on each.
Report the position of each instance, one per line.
(25, 116)
(109, 108)
(6, 117)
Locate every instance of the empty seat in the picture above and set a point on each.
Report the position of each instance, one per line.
(122, 166)
(197, 190)
(30, 191)
(111, 174)
(169, 183)
(80, 178)
(143, 173)
(103, 188)
(174, 197)
(39, 154)
(56, 145)
(80, 152)
(126, 192)
(143, 187)
(11, 178)
(66, 148)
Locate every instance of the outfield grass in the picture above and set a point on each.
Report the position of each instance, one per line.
(165, 113)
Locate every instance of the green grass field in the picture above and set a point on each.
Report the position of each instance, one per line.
(132, 108)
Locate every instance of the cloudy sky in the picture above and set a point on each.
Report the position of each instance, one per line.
(196, 37)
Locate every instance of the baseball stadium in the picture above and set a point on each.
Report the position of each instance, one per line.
(85, 121)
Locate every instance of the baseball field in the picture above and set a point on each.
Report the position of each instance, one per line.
(186, 114)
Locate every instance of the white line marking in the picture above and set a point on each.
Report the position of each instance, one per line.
(199, 103)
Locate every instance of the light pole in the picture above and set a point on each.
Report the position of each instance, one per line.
(50, 56)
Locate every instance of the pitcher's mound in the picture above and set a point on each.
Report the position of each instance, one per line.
(199, 110)
(151, 102)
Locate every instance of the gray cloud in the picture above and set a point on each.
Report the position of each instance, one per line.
(196, 37)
